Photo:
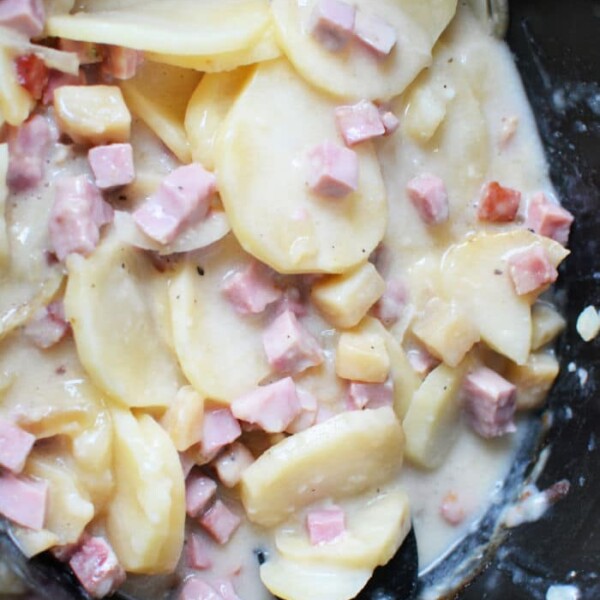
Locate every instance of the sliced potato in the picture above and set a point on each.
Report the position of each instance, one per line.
(32, 541)
(356, 73)
(277, 119)
(305, 467)
(4, 241)
(15, 101)
(533, 379)
(110, 303)
(361, 355)
(546, 324)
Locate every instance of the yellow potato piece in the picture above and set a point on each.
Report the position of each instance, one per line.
(533, 379)
(546, 324)
(110, 303)
(306, 467)
(362, 356)
(146, 516)
(4, 241)
(31, 541)
(183, 419)
(15, 102)
(261, 172)
(188, 27)
(356, 73)
(220, 351)
(159, 95)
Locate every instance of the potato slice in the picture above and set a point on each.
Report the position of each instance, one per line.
(375, 529)
(32, 542)
(261, 170)
(205, 324)
(305, 467)
(15, 102)
(159, 95)
(4, 243)
(546, 324)
(355, 73)
(533, 379)
(110, 303)
(188, 27)
(146, 516)
(475, 275)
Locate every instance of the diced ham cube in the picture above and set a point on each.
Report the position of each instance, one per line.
(332, 23)
(112, 165)
(292, 300)
(183, 197)
(428, 195)
(272, 407)
(531, 270)
(390, 307)
(226, 589)
(250, 290)
(549, 219)
(48, 326)
(97, 567)
(375, 33)
(422, 361)
(199, 493)
(197, 553)
(15, 446)
(370, 395)
(308, 413)
(121, 63)
(489, 402)
(195, 588)
(219, 429)
(325, 525)
(231, 464)
(28, 147)
(32, 74)
(88, 53)
(332, 170)
(23, 500)
(25, 16)
(220, 522)
(289, 347)
(359, 122)
(77, 215)
(497, 203)
(57, 79)
(390, 121)
(452, 510)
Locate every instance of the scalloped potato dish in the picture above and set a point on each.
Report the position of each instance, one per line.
(275, 288)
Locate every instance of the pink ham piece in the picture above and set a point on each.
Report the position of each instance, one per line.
(497, 203)
(199, 493)
(197, 553)
(76, 216)
(23, 500)
(428, 195)
(370, 395)
(531, 270)
(452, 510)
(325, 525)
(15, 446)
(96, 566)
(272, 407)
(308, 412)
(219, 429)
(332, 23)
(549, 219)
(422, 361)
(332, 170)
(183, 197)
(48, 326)
(112, 165)
(220, 522)
(390, 307)
(88, 53)
(390, 121)
(291, 300)
(25, 16)
(226, 589)
(250, 290)
(121, 63)
(28, 148)
(375, 33)
(196, 588)
(489, 402)
(231, 464)
(289, 347)
(359, 122)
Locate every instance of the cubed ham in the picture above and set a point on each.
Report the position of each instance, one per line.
(57, 79)
(308, 412)
(422, 361)
(25, 16)
(251, 289)
(489, 402)
(291, 300)
(325, 525)
(272, 407)
(28, 147)
(15, 446)
(219, 429)
(332, 170)
(390, 307)
(231, 464)
(332, 23)
(359, 122)
(112, 165)
(375, 33)
(121, 63)
(32, 74)
(452, 510)
(226, 589)
(200, 491)
(196, 588)
(197, 553)
(220, 522)
(48, 326)
(390, 121)
(289, 347)
(549, 219)
(97, 567)
(370, 395)
(497, 203)
(88, 53)
(531, 270)
(77, 215)
(23, 500)
(182, 198)
(428, 195)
